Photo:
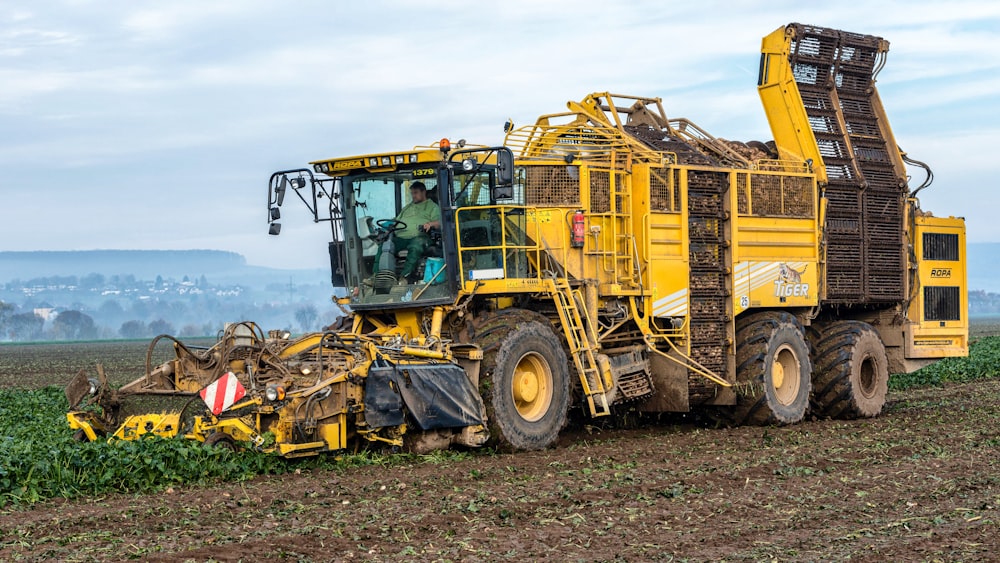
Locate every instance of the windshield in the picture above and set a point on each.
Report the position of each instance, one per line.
(394, 247)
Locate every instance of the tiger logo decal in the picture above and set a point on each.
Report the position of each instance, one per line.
(789, 282)
(789, 274)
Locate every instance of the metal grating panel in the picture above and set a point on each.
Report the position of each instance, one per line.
(778, 196)
(844, 203)
(742, 198)
(600, 191)
(663, 195)
(942, 304)
(864, 237)
(550, 185)
(709, 329)
(940, 246)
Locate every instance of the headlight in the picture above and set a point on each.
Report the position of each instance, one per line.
(274, 393)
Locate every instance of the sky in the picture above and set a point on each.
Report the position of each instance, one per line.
(156, 125)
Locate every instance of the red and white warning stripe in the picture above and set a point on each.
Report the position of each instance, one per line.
(223, 392)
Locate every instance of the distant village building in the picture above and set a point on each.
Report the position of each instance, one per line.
(47, 313)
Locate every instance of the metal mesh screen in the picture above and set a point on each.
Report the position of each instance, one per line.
(550, 185)
(664, 194)
(600, 191)
(742, 198)
(780, 196)
(766, 195)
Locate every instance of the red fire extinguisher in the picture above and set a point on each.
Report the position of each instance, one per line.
(577, 230)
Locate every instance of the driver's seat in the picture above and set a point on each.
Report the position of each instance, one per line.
(369, 247)
(433, 251)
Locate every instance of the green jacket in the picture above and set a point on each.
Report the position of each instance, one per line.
(416, 214)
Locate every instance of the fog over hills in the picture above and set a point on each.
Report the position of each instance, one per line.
(135, 293)
(220, 265)
(984, 266)
(230, 267)
(67, 295)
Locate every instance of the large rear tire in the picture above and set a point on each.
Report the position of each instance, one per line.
(852, 370)
(525, 385)
(773, 372)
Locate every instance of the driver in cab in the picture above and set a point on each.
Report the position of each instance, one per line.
(420, 216)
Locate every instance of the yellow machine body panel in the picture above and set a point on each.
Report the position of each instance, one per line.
(164, 425)
(783, 104)
(666, 253)
(940, 307)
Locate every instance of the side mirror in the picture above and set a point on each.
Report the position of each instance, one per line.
(505, 167)
(279, 192)
(502, 192)
(274, 229)
(275, 214)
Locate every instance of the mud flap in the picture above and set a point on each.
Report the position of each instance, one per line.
(383, 404)
(436, 395)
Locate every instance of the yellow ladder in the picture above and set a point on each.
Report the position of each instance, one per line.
(594, 369)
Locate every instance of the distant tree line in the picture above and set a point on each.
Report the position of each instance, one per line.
(22, 325)
(29, 326)
(984, 303)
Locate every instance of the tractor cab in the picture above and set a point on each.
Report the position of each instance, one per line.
(401, 222)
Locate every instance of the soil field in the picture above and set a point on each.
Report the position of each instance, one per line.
(920, 483)
(32, 366)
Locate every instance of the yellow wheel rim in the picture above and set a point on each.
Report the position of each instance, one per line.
(531, 387)
(786, 375)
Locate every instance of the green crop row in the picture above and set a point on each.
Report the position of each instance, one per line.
(39, 458)
(983, 362)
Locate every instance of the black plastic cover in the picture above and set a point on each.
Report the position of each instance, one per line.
(436, 396)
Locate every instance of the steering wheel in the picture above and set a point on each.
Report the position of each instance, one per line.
(391, 225)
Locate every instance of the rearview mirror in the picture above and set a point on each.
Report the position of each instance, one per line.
(279, 192)
(275, 214)
(502, 192)
(274, 229)
(505, 167)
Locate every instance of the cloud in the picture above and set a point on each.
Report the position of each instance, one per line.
(173, 20)
(149, 119)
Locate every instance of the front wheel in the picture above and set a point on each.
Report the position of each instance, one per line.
(773, 371)
(526, 388)
(222, 441)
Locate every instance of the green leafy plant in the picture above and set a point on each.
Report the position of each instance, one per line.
(39, 458)
(983, 362)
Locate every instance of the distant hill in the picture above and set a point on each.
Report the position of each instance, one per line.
(983, 264)
(219, 265)
(142, 264)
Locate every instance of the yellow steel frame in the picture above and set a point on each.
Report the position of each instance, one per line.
(926, 338)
